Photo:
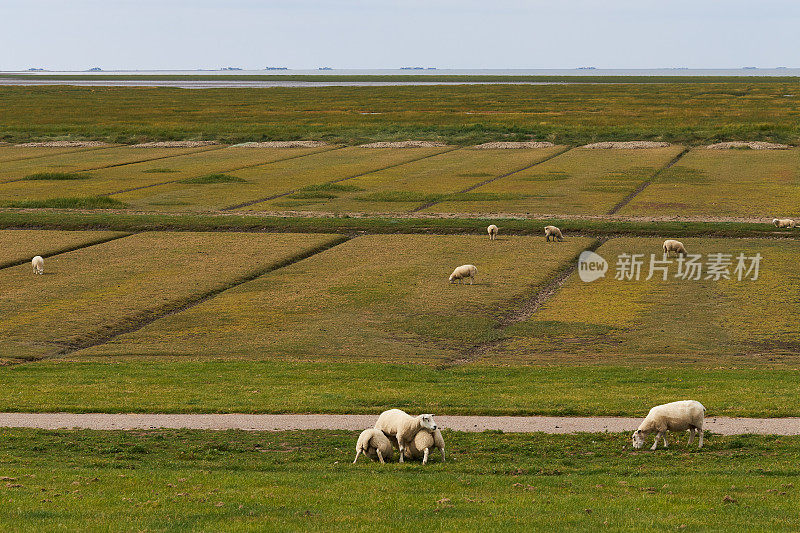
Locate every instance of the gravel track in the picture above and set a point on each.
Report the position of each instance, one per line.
(249, 422)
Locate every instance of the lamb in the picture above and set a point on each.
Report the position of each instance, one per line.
(375, 445)
(492, 230)
(38, 264)
(671, 245)
(403, 427)
(784, 223)
(552, 231)
(422, 443)
(464, 271)
(675, 416)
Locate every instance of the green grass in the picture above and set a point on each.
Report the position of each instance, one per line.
(73, 202)
(246, 481)
(213, 178)
(752, 183)
(375, 297)
(97, 291)
(577, 386)
(677, 111)
(57, 176)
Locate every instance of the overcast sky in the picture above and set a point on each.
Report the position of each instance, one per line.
(190, 34)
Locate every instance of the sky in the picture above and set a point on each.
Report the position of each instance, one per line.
(374, 34)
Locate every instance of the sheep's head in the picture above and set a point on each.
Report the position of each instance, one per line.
(775, 221)
(427, 422)
(451, 278)
(638, 439)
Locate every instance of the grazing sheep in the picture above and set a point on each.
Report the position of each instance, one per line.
(38, 264)
(375, 445)
(403, 427)
(492, 232)
(675, 416)
(422, 443)
(552, 231)
(464, 271)
(671, 245)
(784, 223)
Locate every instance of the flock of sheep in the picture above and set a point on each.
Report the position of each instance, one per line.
(415, 436)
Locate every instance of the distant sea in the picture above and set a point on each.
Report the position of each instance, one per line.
(231, 83)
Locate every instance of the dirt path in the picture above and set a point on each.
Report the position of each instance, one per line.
(510, 424)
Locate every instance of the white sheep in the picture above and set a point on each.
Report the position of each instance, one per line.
(674, 416)
(552, 231)
(492, 230)
(464, 271)
(38, 264)
(671, 245)
(784, 223)
(403, 427)
(420, 447)
(375, 445)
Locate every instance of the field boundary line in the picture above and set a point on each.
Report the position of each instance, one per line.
(280, 195)
(642, 186)
(490, 180)
(205, 149)
(529, 305)
(147, 317)
(77, 150)
(356, 422)
(221, 171)
(9, 264)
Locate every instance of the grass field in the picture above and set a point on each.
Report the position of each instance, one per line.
(755, 183)
(22, 245)
(95, 291)
(577, 182)
(409, 186)
(241, 481)
(566, 114)
(693, 319)
(118, 178)
(15, 153)
(383, 297)
(76, 161)
(587, 386)
(275, 178)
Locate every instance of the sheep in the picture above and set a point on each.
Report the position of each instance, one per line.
(492, 230)
(403, 427)
(464, 271)
(422, 443)
(674, 416)
(552, 231)
(38, 264)
(671, 245)
(375, 445)
(784, 223)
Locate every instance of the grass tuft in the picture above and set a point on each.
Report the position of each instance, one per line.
(57, 176)
(213, 178)
(73, 202)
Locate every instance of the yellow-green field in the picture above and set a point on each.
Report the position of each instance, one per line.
(688, 320)
(382, 297)
(15, 153)
(148, 173)
(23, 245)
(85, 160)
(579, 181)
(749, 183)
(274, 178)
(94, 291)
(406, 187)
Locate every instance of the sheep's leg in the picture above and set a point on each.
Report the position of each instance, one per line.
(442, 454)
(380, 455)
(691, 437)
(402, 449)
(700, 430)
(659, 435)
(425, 456)
(357, 454)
